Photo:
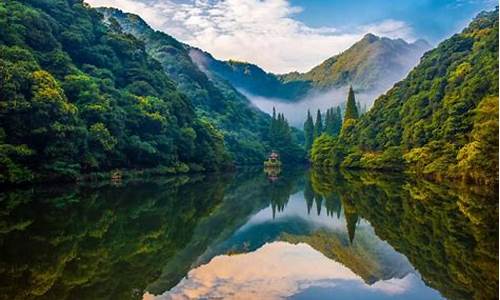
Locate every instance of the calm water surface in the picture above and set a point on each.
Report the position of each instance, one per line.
(303, 234)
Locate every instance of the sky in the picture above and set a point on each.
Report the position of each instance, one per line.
(283, 36)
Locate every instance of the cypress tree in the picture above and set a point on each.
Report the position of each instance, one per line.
(337, 122)
(351, 110)
(329, 121)
(309, 131)
(318, 126)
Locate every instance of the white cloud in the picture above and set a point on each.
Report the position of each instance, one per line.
(263, 32)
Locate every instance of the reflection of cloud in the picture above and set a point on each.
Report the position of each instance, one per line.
(259, 31)
(275, 271)
(264, 274)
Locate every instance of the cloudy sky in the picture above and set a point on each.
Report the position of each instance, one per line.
(283, 36)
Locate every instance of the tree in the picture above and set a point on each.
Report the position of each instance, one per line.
(351, 110)
(337, 124)
(333, 121)
(308, 131)
(318, 126)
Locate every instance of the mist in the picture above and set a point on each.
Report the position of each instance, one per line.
(296, 112)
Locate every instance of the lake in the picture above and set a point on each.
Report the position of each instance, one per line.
(297, 234)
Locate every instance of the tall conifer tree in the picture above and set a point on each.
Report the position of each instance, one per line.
(351, 109)
(309, 131)
(318, 126)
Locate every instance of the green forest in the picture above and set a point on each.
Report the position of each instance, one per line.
(80, 95)
(440, 122)
(89, 91)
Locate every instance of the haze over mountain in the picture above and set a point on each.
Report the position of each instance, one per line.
(373, 63)
(372, 66)
(245, 127)
(440, 121)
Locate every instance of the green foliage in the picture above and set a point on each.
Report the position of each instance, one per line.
(444, 230)
(442, 118)
(100, 242)
(318, 125)
(245, 128)
(308, 131)
(333, 121)
(321, 152)
(371, 63)
(478, 159)
(281, 140)
(78, 96)
(365, 65)
(351, 109)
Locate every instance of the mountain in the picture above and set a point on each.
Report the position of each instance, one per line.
(251, 78)
(245, 128)
(440, 121)
(373, 63)
(79, 96)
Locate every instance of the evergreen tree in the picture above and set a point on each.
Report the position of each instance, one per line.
(337, 124)
(333, 121)
(280, 138)
(309, 131)
(351, 110)
(329, 121)
(318, 126)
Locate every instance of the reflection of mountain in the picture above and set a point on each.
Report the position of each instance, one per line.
(448, 234)
(248, 192)
(119, 241)
(368, 257)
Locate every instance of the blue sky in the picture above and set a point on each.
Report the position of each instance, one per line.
(432, 20)
(283, 36)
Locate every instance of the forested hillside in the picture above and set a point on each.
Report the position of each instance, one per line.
(370, 65)
(77, 96)
(252, 79)
(245, 128)
(441, 121)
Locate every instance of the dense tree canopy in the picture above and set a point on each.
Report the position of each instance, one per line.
(441, 121)
(79, 96)
(244, 126)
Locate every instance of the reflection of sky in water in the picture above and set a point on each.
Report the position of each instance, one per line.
(297, 208)
(277, 270)
(269, 274)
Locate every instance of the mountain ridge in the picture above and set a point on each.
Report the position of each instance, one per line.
(244, 126)
(441, 121)
(363, 65)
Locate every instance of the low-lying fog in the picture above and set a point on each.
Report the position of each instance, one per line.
(296, 112)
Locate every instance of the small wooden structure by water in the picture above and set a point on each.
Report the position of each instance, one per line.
(272, 160)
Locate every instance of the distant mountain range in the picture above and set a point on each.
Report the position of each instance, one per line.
(372, 64)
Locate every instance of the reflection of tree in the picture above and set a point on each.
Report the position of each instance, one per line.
(448, 234)
(308, 193)
(94, 243)
(280, 190)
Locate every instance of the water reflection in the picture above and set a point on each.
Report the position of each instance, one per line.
(305, 235)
